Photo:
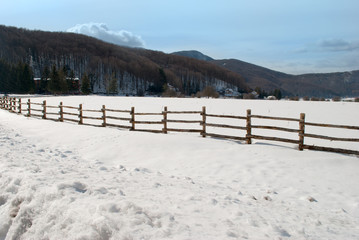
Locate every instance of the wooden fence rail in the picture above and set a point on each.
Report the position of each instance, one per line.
(35, 109)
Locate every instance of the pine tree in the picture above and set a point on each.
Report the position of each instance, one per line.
(44, 80)
(26, 80)
(54, 83)
(277, 93)
(62, 81)
(85, 85)
(113, 86)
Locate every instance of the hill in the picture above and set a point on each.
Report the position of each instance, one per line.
(193, 54)
(124, 70)
(312, 85)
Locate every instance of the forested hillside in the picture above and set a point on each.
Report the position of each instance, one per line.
(108, 68)
(344, 84)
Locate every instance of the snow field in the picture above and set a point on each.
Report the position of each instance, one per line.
(64, 181)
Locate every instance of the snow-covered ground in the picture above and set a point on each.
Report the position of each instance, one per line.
(65, 181)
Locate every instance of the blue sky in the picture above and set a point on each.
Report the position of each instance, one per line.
(293, 36)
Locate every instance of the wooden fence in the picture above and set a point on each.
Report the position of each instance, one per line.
(129, 120)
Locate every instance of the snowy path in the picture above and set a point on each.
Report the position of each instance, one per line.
(63, 181)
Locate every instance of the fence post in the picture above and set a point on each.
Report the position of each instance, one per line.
(103, 115)
(133, 118)
(29, 107)
(7, 103)
(61, 118)
(14, 104)
(203, 121)
(19, 105)
(164, 130)
(11, 104)
(301, 131)
(80, 114)
(44, 109)
(249, 127)
(3, 102)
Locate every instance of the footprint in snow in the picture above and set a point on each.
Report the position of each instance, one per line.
(157, 185)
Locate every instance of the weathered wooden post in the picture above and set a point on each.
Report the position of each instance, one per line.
(7, 103)
(29, 107)
(4, 102)
(301, 131)
(133, 118)
(44, 109)
(61, 118)
(10, 104)
(14, 104)
(80, 114)
(103, 115)
(249, 127)
(203, 133)
(164, 130)
(19, 105)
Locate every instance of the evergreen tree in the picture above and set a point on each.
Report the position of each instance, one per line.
(43, 88)
(85, 84)
(62, 81)
(5, 73)
(113, 85)
(26, 79)
(158, 86)
(277, 93)
(54, 83)
(72, 86)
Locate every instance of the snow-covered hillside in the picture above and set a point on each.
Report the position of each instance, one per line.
(65, 181)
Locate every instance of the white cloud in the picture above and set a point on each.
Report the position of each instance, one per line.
(101, 31)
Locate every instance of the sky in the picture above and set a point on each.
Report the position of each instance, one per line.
(296, 36)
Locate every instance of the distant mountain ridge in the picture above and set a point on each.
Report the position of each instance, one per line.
(193, 54)
(312, 85)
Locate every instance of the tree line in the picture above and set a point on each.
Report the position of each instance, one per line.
(16, 78)
(19, 78)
